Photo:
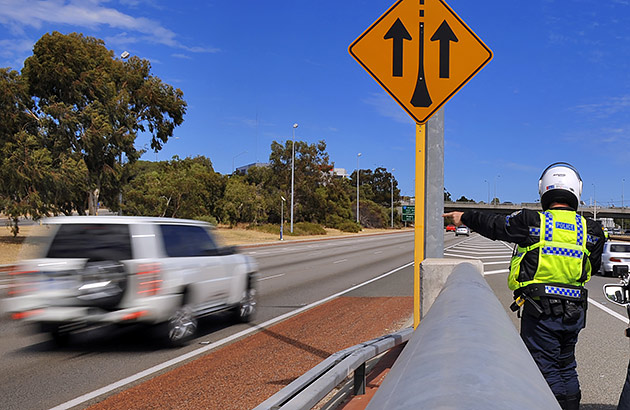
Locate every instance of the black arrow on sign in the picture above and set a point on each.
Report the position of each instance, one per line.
(421, 97)
(444, 35)
(398, 33)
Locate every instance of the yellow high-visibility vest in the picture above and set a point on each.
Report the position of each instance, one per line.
(562, 253)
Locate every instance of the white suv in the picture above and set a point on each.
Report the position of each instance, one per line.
(116, 270)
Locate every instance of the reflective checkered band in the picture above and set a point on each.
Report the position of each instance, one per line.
(555, 290)
(534, 231)
(580, 230)
(554, 250)
(548, 227)
(507, 220)
(592, 239)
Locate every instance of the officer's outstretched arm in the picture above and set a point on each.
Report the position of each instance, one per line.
(456, 216)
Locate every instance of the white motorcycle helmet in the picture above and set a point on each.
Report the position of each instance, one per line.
(560, 182)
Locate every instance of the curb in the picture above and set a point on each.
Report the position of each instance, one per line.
(278, 242)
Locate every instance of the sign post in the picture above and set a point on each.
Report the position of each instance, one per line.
(421, 53)
(419, 234)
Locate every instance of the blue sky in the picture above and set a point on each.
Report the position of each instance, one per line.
(557, 89)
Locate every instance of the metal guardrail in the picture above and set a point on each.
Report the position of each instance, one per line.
(308, 389)
(465, 354)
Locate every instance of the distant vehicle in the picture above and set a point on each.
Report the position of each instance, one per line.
(100, 270)
(450, 228)
(615, 253)
(462, 230)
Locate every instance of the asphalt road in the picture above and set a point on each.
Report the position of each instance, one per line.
(34, 374)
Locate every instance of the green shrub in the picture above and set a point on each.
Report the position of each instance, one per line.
(267, 228)
(207, 218)
(308, 228)
(299, 229)
(349, 226)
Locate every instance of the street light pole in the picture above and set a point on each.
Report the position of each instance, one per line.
(594, 203)
(282, 217)
(391, 178)
(488, 182)
(495, 188)
(623, 220)
(292, 171)
(358, 155)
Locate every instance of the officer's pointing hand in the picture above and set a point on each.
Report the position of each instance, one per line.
(456, 216)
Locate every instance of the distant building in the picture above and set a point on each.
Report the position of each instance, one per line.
(340, 172)
(245, 168)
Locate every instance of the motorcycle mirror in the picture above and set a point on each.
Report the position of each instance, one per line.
(617, 294)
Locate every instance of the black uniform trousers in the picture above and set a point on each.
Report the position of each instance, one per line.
(624, 399)
(551, 341)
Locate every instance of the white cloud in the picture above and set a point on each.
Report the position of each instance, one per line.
(387, 107)
(182, 56)
(612, 106)
(8, 48)
(18, 15)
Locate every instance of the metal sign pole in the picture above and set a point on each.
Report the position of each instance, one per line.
(418, 252)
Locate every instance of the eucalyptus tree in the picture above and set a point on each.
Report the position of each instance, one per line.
(312, 170)
(90, 104)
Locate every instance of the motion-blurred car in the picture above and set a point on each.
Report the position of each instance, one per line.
(462, 230)
(129, 270)
(450, 228)
(615, 253)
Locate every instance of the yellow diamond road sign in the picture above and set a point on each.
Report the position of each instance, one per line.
(421, 53)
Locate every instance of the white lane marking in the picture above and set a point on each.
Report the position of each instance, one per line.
(482, 253)
(271, 277)
(340, 261)
(176, 360)
(460, 256)
(496, 263)
(457, 255)
(608, 310)
(493, 272)
(508, 245)
(377, 252)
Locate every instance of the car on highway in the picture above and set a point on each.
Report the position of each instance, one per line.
(97, 270)
(450, 228)
(462, 230)
(614, 253)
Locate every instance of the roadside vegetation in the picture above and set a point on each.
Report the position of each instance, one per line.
(71, 118)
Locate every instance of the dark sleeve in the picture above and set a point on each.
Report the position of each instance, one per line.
(595, 230)
(511, 228)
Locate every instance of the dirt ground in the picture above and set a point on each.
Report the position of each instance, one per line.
(10, 247)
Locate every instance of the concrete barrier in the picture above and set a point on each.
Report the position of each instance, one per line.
(465, 354)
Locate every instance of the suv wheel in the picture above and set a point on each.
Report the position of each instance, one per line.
(181, 326)
(246, 308)
(60, 337)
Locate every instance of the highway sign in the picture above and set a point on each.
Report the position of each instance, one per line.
(421, 53)
(408, 218)
(408, 210)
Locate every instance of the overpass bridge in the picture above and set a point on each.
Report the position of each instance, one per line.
(506, 209)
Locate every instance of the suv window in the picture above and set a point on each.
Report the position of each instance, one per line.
(620, 248)
(92, 241)
(184, 240)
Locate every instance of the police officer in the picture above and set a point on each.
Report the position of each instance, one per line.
(556, 251)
